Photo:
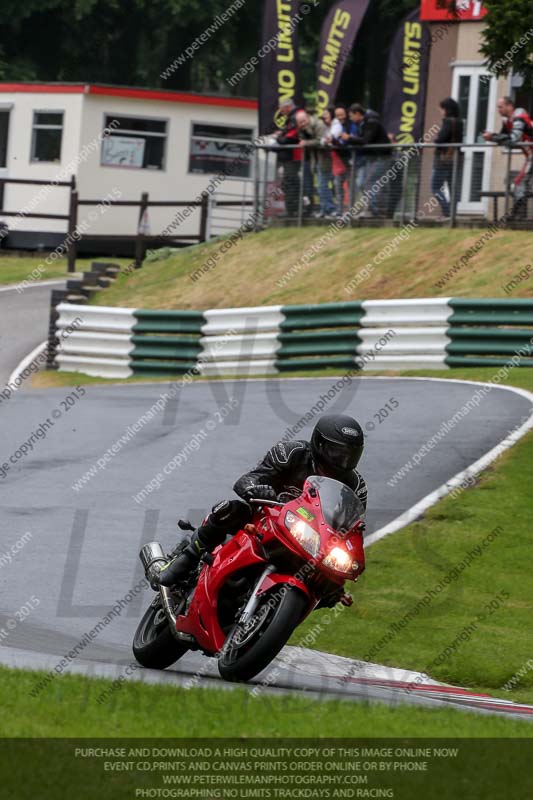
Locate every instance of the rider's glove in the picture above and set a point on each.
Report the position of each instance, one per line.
(261, 491)
(285, 497)
(361, 527)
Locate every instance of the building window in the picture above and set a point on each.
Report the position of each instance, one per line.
(47, 136)
(134, 142)
(4, 130)
(218, 149)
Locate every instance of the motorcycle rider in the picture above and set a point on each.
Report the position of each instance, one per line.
(336, 446)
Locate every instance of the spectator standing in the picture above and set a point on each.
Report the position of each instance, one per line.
(353, 130)
(322, 132)
(378, 161)
(517, 127)
(311, 131)
(451, 132)
(339, 159)
(291, 158)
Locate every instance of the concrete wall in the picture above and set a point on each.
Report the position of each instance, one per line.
(469, 41)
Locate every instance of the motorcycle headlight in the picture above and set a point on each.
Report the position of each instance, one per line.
(339, 560)
(303, 533)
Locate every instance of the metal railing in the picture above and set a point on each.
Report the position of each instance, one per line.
(450, 184)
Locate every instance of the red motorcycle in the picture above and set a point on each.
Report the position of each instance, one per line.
(246, 598)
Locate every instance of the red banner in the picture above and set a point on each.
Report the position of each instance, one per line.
(442, 11)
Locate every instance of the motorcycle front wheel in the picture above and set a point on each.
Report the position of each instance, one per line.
(154, 645)
(251, 647)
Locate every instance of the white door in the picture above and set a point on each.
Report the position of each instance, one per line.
(475, 91)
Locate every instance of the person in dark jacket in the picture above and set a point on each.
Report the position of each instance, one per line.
(451, 132)
(378, 160)
(334, 451)
(354, 130)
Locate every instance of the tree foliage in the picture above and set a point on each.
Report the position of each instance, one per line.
(132, 42)
(508, 37)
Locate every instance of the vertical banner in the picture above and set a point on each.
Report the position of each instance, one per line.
(405, 90)
(279, 76)
(336, 40)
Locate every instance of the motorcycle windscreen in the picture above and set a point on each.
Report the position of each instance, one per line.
(340, 505)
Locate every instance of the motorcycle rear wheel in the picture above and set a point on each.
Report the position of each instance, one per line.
(154, 645)
(249, 649)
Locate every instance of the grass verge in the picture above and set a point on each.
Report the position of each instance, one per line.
(15, 269)
(257, 270)
(69, 708)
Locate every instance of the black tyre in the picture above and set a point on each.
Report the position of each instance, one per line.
(250, 649)
(154, 645)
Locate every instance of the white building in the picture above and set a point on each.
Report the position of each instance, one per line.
(117, 142)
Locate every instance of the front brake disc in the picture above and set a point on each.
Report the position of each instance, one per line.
(246, 630)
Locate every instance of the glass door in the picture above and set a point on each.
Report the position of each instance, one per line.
(475, 90)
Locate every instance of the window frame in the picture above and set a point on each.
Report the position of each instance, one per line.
(35, 127)
(137, 135)
(6, 108)
(213, 124)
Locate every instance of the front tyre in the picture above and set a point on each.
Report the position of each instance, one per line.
(251, 647)
(154, 645)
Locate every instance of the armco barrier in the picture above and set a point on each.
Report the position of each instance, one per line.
(433, 333)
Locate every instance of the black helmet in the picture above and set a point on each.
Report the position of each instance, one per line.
(337, 443)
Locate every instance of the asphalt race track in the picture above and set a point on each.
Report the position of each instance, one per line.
(82, 556)
(23, 323)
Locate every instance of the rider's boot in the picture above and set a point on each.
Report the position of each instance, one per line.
(225, 519)
(184, 562)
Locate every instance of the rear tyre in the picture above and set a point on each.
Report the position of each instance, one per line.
(154, 645)
(250, 648)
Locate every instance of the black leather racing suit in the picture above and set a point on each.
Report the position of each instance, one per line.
(285, 468)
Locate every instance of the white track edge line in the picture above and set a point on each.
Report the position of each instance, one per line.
(33, 285)
(478, 466)
(25, 361)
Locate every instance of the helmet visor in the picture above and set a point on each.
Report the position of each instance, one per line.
(339, 456)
